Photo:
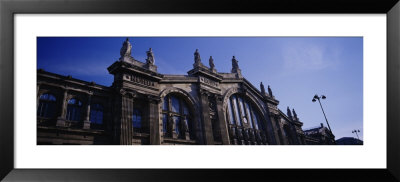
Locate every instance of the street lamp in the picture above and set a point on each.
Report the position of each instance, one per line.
(356, 131)
(315, 98)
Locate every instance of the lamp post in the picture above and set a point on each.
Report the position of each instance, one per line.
(356, 131)
(316, 97)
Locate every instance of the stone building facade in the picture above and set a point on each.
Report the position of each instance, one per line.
(320, 135)
(143, 106)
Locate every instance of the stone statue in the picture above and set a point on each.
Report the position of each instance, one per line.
(197, 56)
(126, 49)
(294, 114)
(211, 62)
(262, 88)
(150, 57)
(235, 64)
(270, 91)
(289, 113)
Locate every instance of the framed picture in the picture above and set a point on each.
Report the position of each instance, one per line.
(26, 24)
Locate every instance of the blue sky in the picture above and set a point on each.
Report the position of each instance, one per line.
(296, 68)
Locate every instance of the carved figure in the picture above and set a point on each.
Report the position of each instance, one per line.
(270, 91)
(150, 57)
(235, 64)
(197, 58)
(262, 88)
(211, 62)
(126, 48)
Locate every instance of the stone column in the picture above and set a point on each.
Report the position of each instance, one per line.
(205, 118)
(86, 122)
(37, 95)
(123, 119)
(222, 122)
(154, 122)
(63, 113)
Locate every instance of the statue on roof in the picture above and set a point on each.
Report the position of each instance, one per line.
(262, 88)
(126, 48)
(235, 64)
(270, 91)
(197, 58)
(211, 62)
(150, 57)
(295, 115)
(289, 113)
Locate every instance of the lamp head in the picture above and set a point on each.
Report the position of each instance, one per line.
(316, 96)
(323, 97)
(313, 100)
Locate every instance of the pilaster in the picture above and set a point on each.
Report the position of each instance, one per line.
(208, 133)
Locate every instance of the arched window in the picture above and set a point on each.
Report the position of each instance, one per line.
(245, 126)
(47, 105)
(96, 114)
(137, 119)
(176, 117)
(74, 110)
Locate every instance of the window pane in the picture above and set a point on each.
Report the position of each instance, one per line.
(164, 119)
(175, 104)
(137, 118)
(177, 124)
(242, 112)
(185, 109)
(165, 104)
(255, 118)
(248, 114)
(230, 112)
(235, 106)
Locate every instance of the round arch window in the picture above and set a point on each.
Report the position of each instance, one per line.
(177, 118)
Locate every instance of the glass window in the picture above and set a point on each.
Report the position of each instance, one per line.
(185, 109)
(248, 114)
(165, 121)
(175, 104)
(230, 112)
(242, 112)
(177, 122)
(74, 110)
(47, 105)
(177, 108)
(235, 106)
(137, 118)
(165, 104)
(96, 114)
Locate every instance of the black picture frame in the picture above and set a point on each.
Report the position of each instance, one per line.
(8, 8)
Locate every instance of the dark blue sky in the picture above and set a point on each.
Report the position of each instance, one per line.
(296, 68)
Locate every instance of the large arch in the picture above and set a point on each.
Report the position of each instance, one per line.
(259, 134)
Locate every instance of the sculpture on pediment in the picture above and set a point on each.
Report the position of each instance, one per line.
(270, 91)
(235, 64)
(262, 88)
(126, 48)
(211, 62)
(197, 58)
(150, 57)
(289, 113)
(295, 115)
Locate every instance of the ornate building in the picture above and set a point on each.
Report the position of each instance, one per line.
(320, 135)
(145, 107)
